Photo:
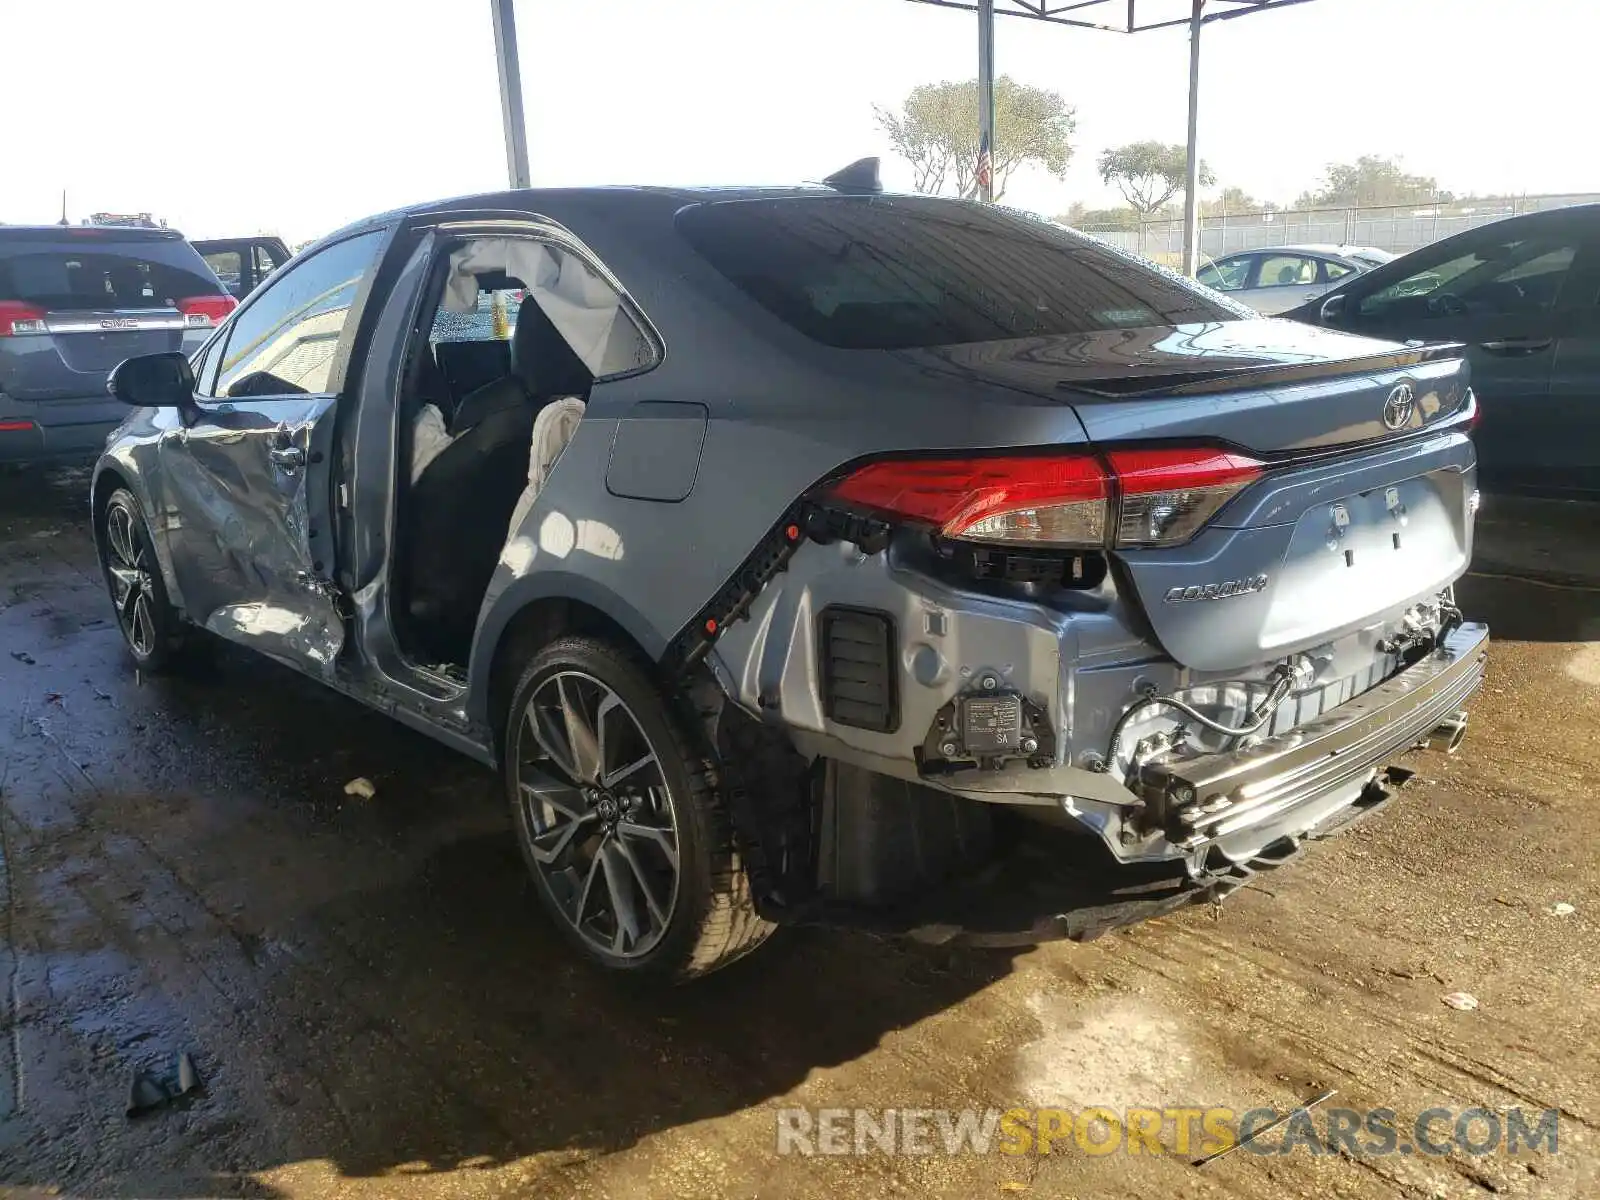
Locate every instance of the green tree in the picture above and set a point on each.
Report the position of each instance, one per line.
(1235, 200)
(1148, 174)
(1081, 216)
(1371, 182)
(936, 131)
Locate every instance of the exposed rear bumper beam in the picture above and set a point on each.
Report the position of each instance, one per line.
(1203, 799)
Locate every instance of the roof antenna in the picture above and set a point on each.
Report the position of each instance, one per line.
(860, 178)
(63, 206)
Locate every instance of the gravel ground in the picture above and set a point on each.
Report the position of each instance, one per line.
(375, 1006)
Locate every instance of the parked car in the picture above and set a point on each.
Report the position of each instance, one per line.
(804, 543)
(1274, 280)
(74, 302)
(1520, 294)
(242, 263)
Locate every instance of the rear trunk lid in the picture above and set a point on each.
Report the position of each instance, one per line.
(1271, 387)
(76, 302)
(1365, 502)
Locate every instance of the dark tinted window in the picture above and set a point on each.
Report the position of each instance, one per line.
(284, 341)
(1497, 276)
(99, 273)
(886, 273)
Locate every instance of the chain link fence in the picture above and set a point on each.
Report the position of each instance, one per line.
(1399, 229)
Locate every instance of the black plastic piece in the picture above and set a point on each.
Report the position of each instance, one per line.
(770, 557)
(1079, 570)
(986, 729)
(859, 668)
(860, 178)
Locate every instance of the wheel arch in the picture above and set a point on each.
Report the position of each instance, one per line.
(111, 473)
(529, 614)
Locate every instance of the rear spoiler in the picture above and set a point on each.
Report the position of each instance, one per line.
(1227, 379)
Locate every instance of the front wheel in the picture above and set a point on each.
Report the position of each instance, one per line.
(151, 627)
(619, 819)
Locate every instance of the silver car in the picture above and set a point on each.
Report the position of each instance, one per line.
(818, 555)
(1273, 280)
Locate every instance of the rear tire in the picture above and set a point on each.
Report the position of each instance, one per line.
(619, 818)
(152, 629)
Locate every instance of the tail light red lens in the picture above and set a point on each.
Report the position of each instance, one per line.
(1157, 497)
(1168, 494)
(1058, 501)
(204, 312)
(17, 318)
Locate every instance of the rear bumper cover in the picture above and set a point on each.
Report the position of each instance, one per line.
(1287, 786)
(57, 430)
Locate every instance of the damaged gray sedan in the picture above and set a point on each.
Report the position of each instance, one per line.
(799, 554)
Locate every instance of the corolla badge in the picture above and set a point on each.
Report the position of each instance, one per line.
(1399, 407)
(1216, 591)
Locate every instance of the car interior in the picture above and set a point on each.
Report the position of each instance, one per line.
(493, 391)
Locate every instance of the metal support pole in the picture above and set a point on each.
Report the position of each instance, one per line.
(505, 55)
(985, 179)
(1191, 196)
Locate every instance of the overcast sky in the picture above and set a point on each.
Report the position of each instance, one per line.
(294, 116)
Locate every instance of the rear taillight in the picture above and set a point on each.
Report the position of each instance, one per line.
(204, 312)
(17, 318)
(1168, 494)
(1056, 501)
(1157, 497)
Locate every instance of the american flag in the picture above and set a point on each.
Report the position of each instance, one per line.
(985, 176)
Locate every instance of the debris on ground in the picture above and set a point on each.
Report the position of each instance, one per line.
(360, 787)
(188, 1077)
(22, 656)
(52, 697)
(146, 1092)
(1561, 909)
(1464, 1001)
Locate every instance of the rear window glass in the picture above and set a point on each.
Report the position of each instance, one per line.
(100, 274)
(891, 273)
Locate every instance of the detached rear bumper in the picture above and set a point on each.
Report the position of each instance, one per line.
(1288, 786)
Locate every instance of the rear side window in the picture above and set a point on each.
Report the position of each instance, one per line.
(66, 275)
(886, 273)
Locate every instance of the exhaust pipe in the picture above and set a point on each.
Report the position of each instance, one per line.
(1447, 734)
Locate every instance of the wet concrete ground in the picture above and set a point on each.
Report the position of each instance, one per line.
(376, 1007)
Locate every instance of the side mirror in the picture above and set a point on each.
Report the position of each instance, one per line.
(1332, 310)
(154, 381)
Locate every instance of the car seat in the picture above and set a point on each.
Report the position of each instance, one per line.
(457, 510)
(1287, 275)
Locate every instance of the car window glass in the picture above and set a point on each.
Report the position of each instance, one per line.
(1226, 275)
(1333, 270)
(264, 264)
(1498, 278)
(65, 277)
(1286, 270)
(226, 265)
(284, 341)
(885, 273)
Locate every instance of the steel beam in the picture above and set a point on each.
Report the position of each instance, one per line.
(505, 54)
(986, 100)
(1191, 195)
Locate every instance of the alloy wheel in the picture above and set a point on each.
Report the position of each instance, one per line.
(129, 566)
(599, 818)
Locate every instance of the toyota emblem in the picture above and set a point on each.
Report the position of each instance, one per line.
(1397, 409)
